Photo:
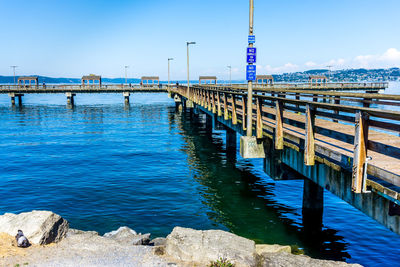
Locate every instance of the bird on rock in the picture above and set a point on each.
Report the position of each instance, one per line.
(22, 241)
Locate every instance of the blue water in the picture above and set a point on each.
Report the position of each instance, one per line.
(102, 165)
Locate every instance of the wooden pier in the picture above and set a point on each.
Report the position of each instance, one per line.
(345, 142)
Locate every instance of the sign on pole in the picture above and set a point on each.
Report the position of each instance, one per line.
(251, 72)
(251, 55)
(252, 39)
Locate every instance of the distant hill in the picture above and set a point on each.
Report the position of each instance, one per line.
(349, 75)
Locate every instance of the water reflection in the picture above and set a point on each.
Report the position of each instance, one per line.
(246, 203)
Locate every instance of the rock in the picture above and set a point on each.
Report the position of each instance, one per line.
(159, 241)
(272, 249)
(289, 260)
(141, 239)
(40, 227)
(125, 235)
(203, 247)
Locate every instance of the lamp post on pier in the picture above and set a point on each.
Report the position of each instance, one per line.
(230, 74)
(169, 59)
(188, 85)
(126, 74)
(249, 130)
(252, 146)
(14, 67)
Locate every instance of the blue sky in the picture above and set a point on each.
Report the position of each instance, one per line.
(71, 38)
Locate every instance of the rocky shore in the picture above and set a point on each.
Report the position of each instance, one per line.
(53, 243)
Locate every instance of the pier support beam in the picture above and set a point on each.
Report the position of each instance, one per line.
(126, 97)
(70, 99)
(178, 102)
(209, 124)
(231, 140)
(231, 145)
(313, 206)
(13, 95)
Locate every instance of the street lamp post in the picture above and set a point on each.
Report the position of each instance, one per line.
(126, 74)
(14, 67)
(230, 74)
(169, 59)
(249, 128)
(188, 85)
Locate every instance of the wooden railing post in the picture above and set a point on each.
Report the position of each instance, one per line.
(234, 115)
(219, 104)
(278, 125)
(214, 106)
(209, 101)
(244, 101)
(259, 125)
(226, 114)
(297, 98)
(309, 146)
(336, 102)
(360, 150)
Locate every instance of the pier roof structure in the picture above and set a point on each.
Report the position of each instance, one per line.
(208, 79)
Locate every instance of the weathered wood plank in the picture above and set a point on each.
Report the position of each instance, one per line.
(259, 123)
(234, 114)
(219, 104)
(278, 125)
(244, 101)
(360, 150)
(309, 146)
(226, 114)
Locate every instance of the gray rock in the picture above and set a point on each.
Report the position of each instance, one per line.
(125, 235)
(202, 247)
(159, 241)
(289, 260)
(272, 249)
(40, 227)
(141, 239)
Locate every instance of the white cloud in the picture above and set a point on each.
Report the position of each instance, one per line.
(310, 64)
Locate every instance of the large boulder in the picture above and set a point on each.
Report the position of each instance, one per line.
(40, 227)
(203, 247)
(289, 260)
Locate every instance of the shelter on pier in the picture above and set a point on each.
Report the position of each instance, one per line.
(208, 79)
(150, 80)
(317, 79)
(265, 79)
(27, 81)
(91, 78)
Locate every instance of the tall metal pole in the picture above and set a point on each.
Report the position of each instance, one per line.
(249, 128)
(126, 74)
(14, 67)
(188, 85)
(169, 59)
(230, 75)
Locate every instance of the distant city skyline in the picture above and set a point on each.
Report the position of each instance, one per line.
(73, 38)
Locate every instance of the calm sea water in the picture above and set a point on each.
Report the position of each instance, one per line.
(102, 165)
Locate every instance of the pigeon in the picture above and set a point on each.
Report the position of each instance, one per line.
(22, 241)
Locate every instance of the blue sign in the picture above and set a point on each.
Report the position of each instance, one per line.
(251, 55)
(252, 39)
(251, 72)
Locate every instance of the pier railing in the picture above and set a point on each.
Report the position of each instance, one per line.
(334, 127)
(95, 88)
